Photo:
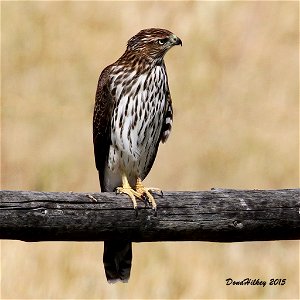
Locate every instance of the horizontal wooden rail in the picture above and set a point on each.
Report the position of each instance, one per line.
(219, 215)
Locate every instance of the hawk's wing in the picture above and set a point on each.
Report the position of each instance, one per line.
(168, 116)
(165, 131)
(104, 105)
(168, 120)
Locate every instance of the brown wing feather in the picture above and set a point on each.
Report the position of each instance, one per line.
(165, 131)
(104, 105)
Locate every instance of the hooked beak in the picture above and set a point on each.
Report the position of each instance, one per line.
(175, 40)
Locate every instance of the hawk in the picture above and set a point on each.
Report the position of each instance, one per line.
(132, 115)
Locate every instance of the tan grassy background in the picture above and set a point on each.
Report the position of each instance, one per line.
(235, 92)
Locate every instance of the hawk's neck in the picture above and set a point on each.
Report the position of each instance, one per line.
(139, 63)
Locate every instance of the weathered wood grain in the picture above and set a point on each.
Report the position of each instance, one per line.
(218, 215)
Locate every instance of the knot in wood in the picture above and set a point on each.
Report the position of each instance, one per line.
(238, 224)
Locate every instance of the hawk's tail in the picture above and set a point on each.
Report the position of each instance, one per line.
(117, 259)
(117, 254)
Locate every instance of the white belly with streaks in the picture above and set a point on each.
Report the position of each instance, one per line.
(137, 123)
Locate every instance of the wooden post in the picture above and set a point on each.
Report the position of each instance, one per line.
(218, 215)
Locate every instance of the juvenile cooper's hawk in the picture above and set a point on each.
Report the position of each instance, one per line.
(133, 113)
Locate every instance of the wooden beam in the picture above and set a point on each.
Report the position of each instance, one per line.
(219, 215)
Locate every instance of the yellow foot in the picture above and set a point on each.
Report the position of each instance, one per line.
(139, 192)
(146, 193)
(130, 192)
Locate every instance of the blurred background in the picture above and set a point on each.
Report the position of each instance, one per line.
(234, 85)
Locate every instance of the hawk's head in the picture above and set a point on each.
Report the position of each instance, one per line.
(153, 42)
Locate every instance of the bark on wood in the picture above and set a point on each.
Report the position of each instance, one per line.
(218, 215)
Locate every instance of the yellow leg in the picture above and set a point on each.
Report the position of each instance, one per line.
(128, 190)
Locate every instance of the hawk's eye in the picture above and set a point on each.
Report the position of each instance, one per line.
(162, 41)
